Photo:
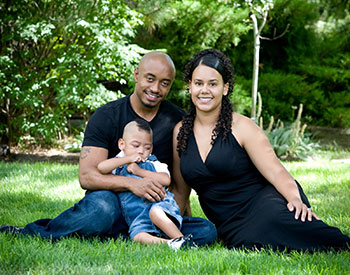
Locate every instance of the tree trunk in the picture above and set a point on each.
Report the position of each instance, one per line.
(255, 65)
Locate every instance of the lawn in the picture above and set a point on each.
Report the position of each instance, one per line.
(31, 191)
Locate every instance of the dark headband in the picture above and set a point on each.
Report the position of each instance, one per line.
(211, 61)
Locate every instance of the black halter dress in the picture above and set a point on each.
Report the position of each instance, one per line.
(246, 209)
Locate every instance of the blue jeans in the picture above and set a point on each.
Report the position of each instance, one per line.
(99, 214)
(136, 212)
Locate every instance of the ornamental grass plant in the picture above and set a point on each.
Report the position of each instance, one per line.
(290, 142)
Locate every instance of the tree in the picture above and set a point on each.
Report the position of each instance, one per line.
(188, 26)
(53, 55)
(309, 64)
(257, 9)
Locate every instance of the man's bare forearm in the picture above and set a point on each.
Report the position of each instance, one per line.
(94, 180)
(91, 179)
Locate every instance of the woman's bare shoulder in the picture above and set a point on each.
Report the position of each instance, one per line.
(243, 128)
(239, 121)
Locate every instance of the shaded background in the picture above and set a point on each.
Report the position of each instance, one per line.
(61, 60)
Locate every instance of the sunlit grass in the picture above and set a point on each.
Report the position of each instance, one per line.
(30, 191)
(327, 185)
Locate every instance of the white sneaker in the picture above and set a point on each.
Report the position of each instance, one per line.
(182, 243)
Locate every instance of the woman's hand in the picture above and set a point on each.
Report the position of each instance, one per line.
(301, 210)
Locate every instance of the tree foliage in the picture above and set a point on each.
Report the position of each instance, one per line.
(188, 26)
(315, 50)
(53, 54)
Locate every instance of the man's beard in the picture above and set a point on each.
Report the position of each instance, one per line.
(148, 105)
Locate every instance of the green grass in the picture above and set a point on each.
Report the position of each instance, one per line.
(30, 191)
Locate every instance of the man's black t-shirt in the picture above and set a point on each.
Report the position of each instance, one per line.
(106, 126)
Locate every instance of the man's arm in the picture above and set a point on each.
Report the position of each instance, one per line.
(91, 179)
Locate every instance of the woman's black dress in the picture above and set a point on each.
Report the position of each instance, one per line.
(246, 209)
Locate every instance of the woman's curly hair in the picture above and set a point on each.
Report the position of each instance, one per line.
(220, 62)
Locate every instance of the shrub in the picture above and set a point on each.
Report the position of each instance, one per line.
(290, 142)
(53, 54)
(75, 145)
(240, 97)
(281, 91)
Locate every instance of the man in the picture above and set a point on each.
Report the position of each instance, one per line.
(99, 212)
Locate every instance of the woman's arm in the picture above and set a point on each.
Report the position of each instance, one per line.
(253, 139)
(179, 187)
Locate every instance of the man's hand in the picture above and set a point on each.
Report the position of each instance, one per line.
(148, 189)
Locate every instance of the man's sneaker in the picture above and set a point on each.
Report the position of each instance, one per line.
(10, 229)
(182, 243)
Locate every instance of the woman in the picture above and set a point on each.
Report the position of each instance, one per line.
(227, 159)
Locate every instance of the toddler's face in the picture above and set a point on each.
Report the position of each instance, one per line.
(137, 142)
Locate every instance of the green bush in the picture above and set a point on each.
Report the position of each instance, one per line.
(281, 91)
(290, 142)
(241, 98)
(309, 64)
(186, 27)
(53, 55)
(75, 145)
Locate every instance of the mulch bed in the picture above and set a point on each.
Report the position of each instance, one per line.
(61, 158)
